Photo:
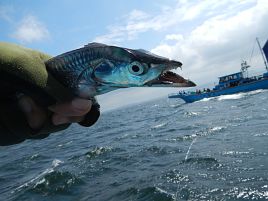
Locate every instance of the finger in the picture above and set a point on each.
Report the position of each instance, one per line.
(35, 115)
(58, 119)
(76, 107)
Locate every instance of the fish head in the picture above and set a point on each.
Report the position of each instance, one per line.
(137, 68)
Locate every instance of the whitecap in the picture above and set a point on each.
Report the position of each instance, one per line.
(206, 99)
(217, 128)
(159, 125)
(231, 97)
(261, 134)
(239, 95)
(256, 91)
(190, 114)
(55, 163)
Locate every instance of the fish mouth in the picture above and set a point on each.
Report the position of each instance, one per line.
(170, 79)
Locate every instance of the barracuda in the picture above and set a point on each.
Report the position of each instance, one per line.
(98, 68)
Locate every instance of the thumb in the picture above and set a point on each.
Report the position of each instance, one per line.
(35, 115)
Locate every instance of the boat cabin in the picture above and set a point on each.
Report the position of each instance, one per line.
(229, 80)
(231, 77)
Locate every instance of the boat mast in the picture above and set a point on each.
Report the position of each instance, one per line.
(265, 63)
(244, 68)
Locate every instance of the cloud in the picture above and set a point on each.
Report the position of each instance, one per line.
(218, 44)
(179, 15)
(30, 29)
(136, 22)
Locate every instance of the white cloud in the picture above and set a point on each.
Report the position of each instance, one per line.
(138, 21)
(175, 37)
(137, 15)
(218, 44)
(30, 29)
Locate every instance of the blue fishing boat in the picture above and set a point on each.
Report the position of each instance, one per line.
(232, 83)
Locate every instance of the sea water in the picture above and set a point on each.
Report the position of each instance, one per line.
(215, 149)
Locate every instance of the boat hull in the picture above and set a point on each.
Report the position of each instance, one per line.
(189, 98)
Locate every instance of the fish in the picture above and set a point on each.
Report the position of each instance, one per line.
(98, 68)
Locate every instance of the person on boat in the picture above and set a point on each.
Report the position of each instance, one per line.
(22, 116)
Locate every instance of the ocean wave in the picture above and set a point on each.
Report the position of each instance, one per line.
(231, 97)
(202, 133)
(160, 150)
(208, 163)
(175, 177)
(257, 91)
(188, 127)
(191, 114)
(97, 151)
(243, 154)
(201, 160)
(240, 95)
(56, 182)
(36, 179)
(247, 193)
(159, 125)
(177, 105)
(144, 194)
(206, 99)
(235, 153)
(265, 134)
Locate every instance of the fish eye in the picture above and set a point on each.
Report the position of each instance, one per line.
(136, 68)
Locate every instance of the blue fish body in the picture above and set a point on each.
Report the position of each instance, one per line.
(98, 68)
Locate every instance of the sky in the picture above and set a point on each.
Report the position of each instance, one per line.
(209, 37)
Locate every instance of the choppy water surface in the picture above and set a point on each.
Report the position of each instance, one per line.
(215, 149)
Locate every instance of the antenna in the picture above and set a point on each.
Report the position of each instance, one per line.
(265, 63)
(244, 67)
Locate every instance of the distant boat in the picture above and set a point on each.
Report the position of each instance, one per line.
(232, 83)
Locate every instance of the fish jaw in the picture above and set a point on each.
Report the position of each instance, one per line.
(170, 79)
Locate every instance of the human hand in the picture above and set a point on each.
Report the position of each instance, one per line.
(21, 70)
(67, 112)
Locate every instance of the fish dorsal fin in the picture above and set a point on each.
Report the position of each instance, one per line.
(94, 44)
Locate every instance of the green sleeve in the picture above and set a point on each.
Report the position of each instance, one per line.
(22, 70)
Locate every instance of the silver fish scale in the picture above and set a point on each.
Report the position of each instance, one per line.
(74, 66)
(77, 60)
